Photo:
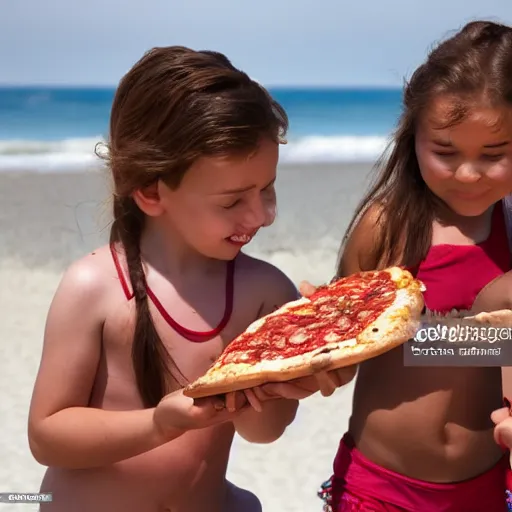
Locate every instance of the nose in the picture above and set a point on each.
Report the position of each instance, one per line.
(467, 173)
(259, 214)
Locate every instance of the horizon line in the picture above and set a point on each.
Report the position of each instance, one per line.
(43, 85)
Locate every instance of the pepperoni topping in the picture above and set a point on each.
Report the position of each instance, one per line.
(337, 312)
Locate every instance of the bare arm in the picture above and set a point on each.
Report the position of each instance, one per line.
(495, 296)
(269, 424)
(62, 430)
(81, 437)
(360, 252)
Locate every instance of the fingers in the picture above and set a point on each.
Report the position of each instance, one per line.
(324, 381)
(225, 415)
(239, 400)
(264, 394)
(286, 390)
(500, 415)
(231, 402)
(345, 375)
(215, 403)
(253, 400)
(503, 433)
(327, 382)
(306, 288)
(235, 401)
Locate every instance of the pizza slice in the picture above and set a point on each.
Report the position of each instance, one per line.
(348, 321)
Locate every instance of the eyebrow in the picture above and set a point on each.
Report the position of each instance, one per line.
(447, 144)
(243, 189)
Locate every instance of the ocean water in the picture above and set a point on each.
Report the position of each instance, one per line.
(50, 129)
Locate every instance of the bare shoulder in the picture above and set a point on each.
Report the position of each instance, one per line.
(91, 272)
(88, 280)
(496, 295)
(268, 284)
(360, 248)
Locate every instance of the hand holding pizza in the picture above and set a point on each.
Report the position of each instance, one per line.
(297, 389)
(306, 289)
(502, 418)
(176, 411)
(316, 342)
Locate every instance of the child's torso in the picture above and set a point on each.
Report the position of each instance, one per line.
(455, 274)
(187, 474)
(432, 423)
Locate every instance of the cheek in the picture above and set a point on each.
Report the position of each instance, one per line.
(197, 219)
(501, 171)
(213, 222)
(433, 170)
(270, 208)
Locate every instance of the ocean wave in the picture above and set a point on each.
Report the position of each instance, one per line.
(77, 154)
(44, 156)
(332, 149)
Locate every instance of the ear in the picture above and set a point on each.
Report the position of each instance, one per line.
(148, 200)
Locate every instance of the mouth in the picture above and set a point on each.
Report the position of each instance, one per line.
(240, 239)
(469, 196)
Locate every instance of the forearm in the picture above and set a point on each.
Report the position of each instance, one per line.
(269, 424)
(80, 437)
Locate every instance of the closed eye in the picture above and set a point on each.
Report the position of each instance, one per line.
(267, 188)
(270, 185)
(445, 153)
(231, 205)
(493, 158)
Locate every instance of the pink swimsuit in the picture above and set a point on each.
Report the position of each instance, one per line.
(360, 485)
(453, 275)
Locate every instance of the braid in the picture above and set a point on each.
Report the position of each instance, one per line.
(153, 366)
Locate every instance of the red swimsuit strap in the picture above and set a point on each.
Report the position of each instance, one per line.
(194, 336)
(200, 336)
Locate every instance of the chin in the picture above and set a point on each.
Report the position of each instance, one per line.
(469, 209)
(226, 253)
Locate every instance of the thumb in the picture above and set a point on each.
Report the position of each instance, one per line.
(210, 404)
(500, 415)
(306, 288)
(503, 433)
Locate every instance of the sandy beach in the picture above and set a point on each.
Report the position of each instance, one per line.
(48, 220)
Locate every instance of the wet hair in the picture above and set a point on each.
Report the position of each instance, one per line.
(174, 106)
(472, 66)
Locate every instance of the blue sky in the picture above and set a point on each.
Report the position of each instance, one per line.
(279, 42)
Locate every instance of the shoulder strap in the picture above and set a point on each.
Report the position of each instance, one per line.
(507, 207)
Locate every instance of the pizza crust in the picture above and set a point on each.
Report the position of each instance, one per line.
(394, 327)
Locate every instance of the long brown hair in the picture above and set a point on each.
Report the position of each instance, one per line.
(475, 63)
(174, 106)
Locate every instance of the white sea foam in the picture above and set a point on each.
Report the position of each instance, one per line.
(44, 156)
(78, 153)
(336, 148)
